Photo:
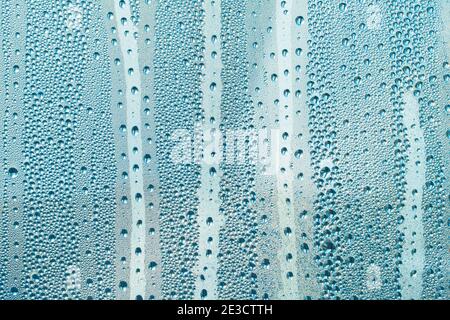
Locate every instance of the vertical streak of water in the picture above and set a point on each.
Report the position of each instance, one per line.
(445, 16)
(11, 121)
(129, 48)
(413, 256)
(209, 218)
(284, 172)
(262, 41)
(305, 191)
(146, 43)
(4, 117)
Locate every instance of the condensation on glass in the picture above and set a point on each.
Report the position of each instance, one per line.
(224, 149)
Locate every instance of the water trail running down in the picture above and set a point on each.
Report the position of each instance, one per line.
(209, 215)
(128, 43)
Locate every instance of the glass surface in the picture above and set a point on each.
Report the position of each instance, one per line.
(224, 149)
